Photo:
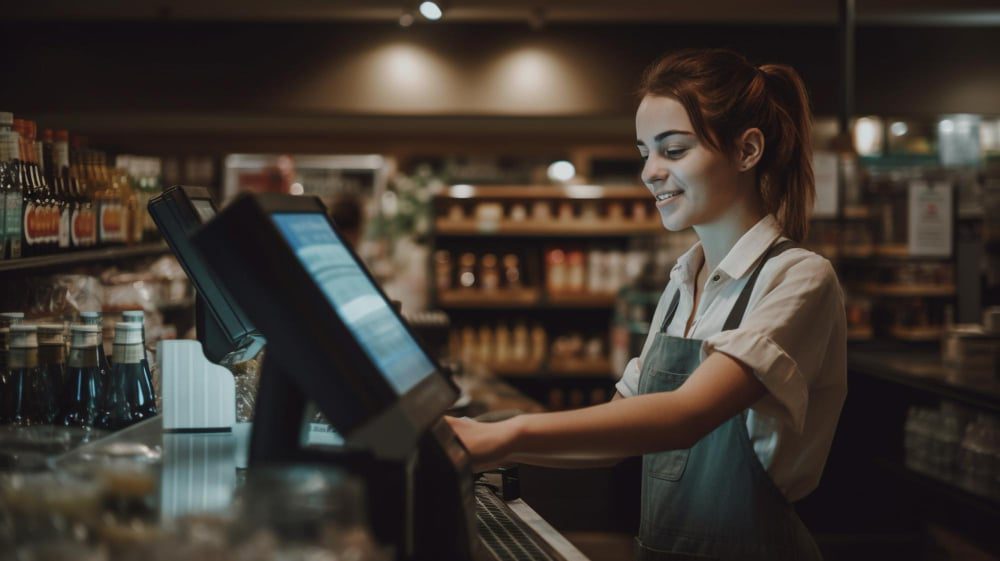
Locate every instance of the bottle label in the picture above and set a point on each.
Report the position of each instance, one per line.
(128, 354)
(74, 218)
(13, 222)
(64, 216)
(82, 227)
(33, 224)
(111, 223)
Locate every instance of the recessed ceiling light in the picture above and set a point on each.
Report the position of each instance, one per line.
(431, 10)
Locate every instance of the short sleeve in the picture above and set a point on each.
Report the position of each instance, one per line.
(628, 385)
(784, 337)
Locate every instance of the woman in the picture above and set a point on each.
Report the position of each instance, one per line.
(735, 397)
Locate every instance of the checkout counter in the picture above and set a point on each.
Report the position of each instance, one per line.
(334, 345)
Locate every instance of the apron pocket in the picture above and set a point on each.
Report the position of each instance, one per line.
(646, 553)
(668, 465)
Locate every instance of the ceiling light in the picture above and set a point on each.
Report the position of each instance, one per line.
(561, 171)
(430, 10)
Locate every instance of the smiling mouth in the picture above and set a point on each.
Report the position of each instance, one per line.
(668, 195)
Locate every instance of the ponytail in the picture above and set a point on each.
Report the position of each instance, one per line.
(787, 185)
(724, 95)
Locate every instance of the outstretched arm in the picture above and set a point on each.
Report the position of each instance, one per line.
(602, 434)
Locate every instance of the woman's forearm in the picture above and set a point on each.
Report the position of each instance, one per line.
(564, 461)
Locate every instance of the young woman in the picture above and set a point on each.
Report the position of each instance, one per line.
(735, 397)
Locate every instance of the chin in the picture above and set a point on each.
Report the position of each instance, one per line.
(675, 221)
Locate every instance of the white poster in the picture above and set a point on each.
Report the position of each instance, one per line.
(825, 172)
(931, 218)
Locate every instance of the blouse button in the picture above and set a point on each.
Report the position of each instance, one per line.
(716, 278)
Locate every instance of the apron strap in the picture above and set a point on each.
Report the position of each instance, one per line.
(671, 311)
(740, 307)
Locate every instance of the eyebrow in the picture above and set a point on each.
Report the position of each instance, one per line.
(663, 135)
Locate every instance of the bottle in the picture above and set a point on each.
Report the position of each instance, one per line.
(83, 222)
(96, 318)
(52, 358)
(6, 320)
(32, 215)
(29, 398)
(50, 200)
(139, 316)
(61, 174)
(81, 400)
(6, 122)
(13, 188)
(129, 397)
(109, 223)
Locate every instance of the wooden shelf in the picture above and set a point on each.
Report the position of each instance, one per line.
(910, 290)
(922, 371)
(473, 298)
(531, 228)
(516, 369)
(589, 368)
(520, 192)
(85, 257)
(583, 300)
(861, 333)
(916, 334)
(940, 487)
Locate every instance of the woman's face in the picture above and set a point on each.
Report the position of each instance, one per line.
(692, 183)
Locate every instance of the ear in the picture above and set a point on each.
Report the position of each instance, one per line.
(749, 149)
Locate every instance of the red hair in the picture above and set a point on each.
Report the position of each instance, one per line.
(724, 95)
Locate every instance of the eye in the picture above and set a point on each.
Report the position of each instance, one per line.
(643, 157)
(675, 153)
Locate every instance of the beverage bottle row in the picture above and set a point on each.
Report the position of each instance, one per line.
(58, 197)
(43, 384)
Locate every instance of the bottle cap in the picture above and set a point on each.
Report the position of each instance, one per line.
(51, 334)
(62, 135)
(8, 319)
(128, 333)
(84, 336)
(91, 318)
(134, 316)
(23, 336)
(6, 118)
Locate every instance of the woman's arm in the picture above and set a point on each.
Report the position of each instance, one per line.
(719, 389)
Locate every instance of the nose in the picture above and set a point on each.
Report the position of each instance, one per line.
(653, 171)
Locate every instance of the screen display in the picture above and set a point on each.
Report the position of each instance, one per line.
(204, 209)
(359, 304)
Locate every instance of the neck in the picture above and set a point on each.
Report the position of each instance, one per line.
(719, 237)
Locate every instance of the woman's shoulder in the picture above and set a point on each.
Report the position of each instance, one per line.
(798, 264)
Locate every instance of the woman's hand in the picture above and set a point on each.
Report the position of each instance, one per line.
(488, 443)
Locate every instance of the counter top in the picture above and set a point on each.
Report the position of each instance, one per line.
(924, 371)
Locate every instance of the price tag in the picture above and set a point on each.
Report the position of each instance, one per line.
(931, 218)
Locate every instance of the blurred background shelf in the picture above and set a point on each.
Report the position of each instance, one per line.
(480, 299)
(554, 228)
(85, 257)
(580, 367)
(910, 290)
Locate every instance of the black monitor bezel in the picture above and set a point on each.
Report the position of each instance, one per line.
(229, 318)
(238, 247)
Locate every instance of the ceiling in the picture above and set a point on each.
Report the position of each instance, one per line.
(533, 12)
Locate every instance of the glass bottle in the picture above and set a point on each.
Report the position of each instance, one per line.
(52, 357)
(60, 172)
(97, 318)
(32, 216)
(29, 398)
(6, 320)
(139, 316)
(14, 195)
(49, 207)
(81, 400)
(6, 122)
(132, 370)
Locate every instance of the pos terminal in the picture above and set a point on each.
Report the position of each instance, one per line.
(335, 340)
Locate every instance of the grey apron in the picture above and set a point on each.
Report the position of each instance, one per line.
(714, 500)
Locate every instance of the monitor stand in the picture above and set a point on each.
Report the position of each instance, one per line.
(422, 505)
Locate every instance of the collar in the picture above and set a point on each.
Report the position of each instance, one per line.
(738, 262)
(750, 247)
